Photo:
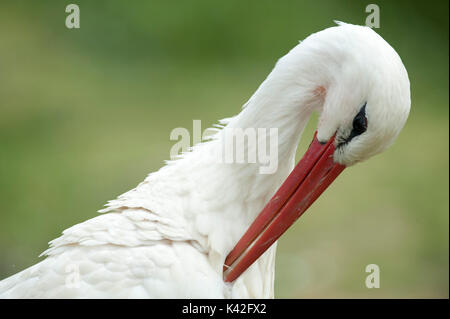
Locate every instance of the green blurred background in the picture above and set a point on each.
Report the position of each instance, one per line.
(87, 113)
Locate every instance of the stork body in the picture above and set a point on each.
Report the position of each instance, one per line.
(169, 237)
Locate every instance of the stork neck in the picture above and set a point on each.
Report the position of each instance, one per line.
(278, 107)
(273, 106)
(233, 194)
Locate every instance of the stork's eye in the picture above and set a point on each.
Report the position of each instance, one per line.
(359, 126)
(360, 122)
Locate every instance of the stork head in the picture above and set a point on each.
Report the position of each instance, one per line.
(366, 92)
(364, 96)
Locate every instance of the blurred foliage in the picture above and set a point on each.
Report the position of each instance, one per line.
(86, 114)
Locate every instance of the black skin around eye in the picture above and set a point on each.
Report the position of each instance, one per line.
(360, 121)
(359, 125)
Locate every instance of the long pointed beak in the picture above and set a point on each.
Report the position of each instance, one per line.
(312, 175)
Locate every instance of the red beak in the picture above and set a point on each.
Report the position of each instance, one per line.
(312, 175)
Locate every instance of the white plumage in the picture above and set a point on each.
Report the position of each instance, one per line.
(168, 237)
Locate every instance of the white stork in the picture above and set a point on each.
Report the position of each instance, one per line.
(172, 235)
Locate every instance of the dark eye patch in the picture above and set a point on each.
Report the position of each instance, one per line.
(359, 125)
(360, 122)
